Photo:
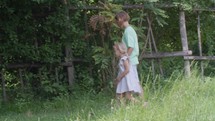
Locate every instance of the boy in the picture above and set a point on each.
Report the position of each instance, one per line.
(130, 39)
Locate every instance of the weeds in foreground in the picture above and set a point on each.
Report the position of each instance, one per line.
(176, 99)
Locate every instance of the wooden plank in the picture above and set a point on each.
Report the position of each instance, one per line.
(138, 6)
(68, 64)
(165, 54)
(206, 9)
(94, 7)
(23, 65)
(201, 58)
(183, 33)
(37, 65)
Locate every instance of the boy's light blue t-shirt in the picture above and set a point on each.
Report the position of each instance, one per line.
(130, 39)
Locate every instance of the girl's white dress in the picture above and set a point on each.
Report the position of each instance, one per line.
(129, 82)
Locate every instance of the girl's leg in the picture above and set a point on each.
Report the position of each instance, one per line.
(129, 96)
(120, 98)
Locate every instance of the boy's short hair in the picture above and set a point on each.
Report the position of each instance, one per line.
(123, 15)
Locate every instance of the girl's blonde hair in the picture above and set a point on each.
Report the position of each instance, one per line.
(122, 47)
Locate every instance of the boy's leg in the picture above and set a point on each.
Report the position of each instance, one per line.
(137, 78)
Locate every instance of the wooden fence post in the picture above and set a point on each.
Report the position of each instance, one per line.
(200, 44)
(184, 42)
(4, 94)
(21, 79)
(154, 45)
(70, 69)
(68, 49)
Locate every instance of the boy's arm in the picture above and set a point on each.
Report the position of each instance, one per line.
(126, 65)
(130, 43)
(129, 51)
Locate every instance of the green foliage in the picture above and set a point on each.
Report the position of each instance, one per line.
(101, 57)
(193, 4)
(21, 41)
(37, 31)
(155, 12)
(52, 84)
(84, 81)
(79, 47)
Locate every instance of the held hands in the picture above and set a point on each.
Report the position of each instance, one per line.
(117, 80)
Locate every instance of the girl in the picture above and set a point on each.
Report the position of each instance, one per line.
(125, 81)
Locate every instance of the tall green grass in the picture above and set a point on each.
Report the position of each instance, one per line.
(184, 99)
(172, 99)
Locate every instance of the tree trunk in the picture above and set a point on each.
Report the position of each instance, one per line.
(184, 42)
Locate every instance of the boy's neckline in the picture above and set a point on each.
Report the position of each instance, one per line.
(126, 24)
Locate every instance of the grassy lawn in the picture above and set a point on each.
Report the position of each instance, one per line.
(176, 99)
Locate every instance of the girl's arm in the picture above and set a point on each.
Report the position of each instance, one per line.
(126, 65)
